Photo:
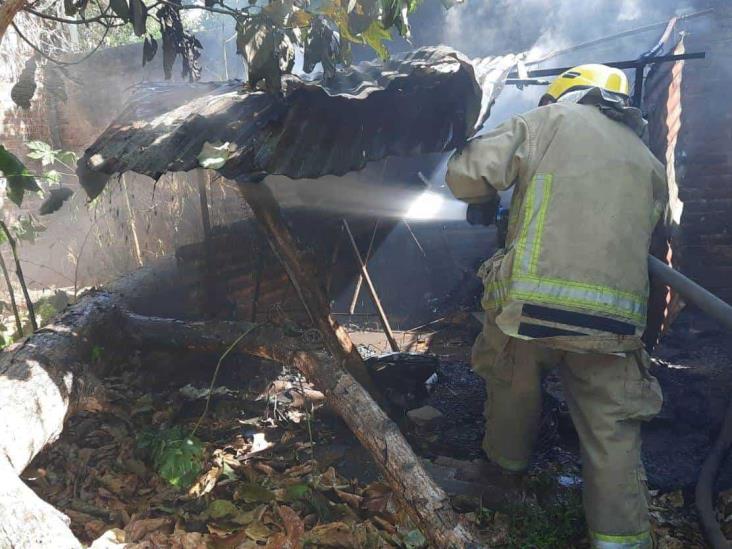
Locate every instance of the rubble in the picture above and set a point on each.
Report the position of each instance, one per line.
(426, 416)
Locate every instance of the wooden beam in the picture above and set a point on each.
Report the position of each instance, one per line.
(202, 178)
(372, 290)
(209, 282)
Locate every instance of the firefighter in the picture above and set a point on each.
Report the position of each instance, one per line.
(569, 288)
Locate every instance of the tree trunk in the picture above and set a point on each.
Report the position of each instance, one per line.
(421, 497)
(8, 10)
(44, 379)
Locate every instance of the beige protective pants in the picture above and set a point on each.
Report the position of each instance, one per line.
(608, 398)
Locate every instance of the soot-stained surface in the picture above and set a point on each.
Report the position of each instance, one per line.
(694, 367)
(693, 364)
(459, 395)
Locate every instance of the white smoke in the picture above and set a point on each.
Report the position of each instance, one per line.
(490, 27)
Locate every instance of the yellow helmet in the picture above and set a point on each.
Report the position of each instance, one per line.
(588, 76)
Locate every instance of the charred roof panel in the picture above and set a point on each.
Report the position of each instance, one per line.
(428, 100)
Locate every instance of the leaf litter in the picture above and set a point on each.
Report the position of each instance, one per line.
(131, 476)
(267, 480)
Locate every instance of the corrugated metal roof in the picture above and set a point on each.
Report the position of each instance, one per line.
(428, 100)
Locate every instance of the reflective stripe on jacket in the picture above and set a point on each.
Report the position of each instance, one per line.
(587, 193)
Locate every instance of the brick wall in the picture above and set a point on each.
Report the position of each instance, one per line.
(17, 125)
(72, 108)
(703, 156)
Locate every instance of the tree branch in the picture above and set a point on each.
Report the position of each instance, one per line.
(97, 19)
(229, 11)
(8, 10)
(57, 61)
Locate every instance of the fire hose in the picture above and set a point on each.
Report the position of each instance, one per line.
(721, 312)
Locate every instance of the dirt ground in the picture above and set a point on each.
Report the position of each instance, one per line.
(279, 468)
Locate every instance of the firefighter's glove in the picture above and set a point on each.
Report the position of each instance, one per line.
(483, 213)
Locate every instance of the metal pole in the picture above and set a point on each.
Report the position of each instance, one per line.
(372, 290)
(359, 282)
(692, 292)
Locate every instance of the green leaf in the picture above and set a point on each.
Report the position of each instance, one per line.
(414, 539)
(97, 353)
(267, 50)
(362, 14)
(253, 493)
(138, 15)
(295, 492)
(375, 36)
(27, 228)
(221, 508)
(52, 176)
(213, 155)
(395, 13)
(41, 151)
(38, 146)
(67, 157)
(389, 12)
(413, 5)
(17, 176)
(177, 458)
(121, 9)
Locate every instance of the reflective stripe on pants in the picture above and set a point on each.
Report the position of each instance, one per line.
(639, 541)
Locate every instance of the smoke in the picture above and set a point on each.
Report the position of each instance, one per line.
(491, 27)
(354, 195)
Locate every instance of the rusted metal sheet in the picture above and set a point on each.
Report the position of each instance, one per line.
(662, 101)
(428, 100)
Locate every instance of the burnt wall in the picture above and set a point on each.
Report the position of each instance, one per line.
(704, 169)
(689, 107)
(704, 240)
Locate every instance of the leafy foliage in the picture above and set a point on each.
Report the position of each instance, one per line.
(177, 457)
(177, 42)
(18, 178)
(325, 29)
(267, 49)
(27, 229)
(267, 32)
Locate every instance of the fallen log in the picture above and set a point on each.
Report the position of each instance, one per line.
(421, 497)
(43, 380)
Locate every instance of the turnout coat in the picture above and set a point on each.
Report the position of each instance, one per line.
(587, 194)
